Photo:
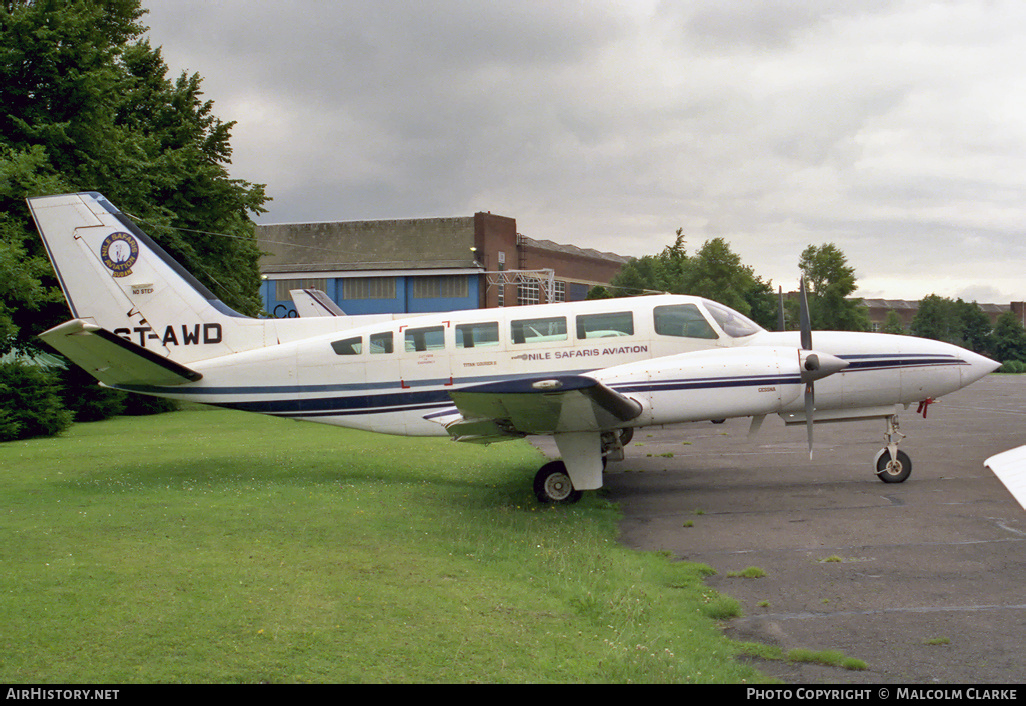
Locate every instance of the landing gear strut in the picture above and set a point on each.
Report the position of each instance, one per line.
(892, 465)
(588, 452)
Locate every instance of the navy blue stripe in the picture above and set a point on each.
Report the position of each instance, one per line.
(894, 361)
(339, 387)
(708, 383)
(439, 398)
(321, 405)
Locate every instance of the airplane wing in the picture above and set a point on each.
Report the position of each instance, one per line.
(112, 360)
(537, 405)
(1010, 468)
(314, 302)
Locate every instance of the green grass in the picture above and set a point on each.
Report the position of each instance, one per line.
(214, 546)
(830, 658)
(752, 572)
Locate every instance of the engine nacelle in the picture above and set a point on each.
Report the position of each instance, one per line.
(713, 384)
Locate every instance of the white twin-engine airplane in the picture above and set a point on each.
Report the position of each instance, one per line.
(586, 373)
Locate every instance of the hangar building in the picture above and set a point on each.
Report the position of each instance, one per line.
(424, 264)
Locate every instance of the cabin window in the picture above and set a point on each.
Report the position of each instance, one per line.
(381, 343)
(431, 338)
(538, 330)
(474, 335)
(348, 346)
(733, 324)
(620, 323)
(683, 321)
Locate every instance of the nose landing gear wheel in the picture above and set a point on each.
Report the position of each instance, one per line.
(893, 470)
(552, 485)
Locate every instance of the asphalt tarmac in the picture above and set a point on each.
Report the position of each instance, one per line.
(924, 581)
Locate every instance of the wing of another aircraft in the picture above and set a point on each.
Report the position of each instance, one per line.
(538, 405)
(112, 360)
(1010, 468)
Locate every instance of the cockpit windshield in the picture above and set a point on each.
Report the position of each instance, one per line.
(733, 324)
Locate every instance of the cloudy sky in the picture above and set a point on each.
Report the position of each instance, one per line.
(895, 129)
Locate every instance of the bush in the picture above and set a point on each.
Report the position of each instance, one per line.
(86, 399)
(139, 405)
(30, 402)
(1012, 366)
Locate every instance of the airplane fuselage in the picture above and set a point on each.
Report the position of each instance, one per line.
(391, 376)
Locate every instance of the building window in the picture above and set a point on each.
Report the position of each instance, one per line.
(527, 293)
(368, 288)
(282, 287)
(559, 293)
(440, 287)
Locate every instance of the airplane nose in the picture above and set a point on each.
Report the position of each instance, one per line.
(979, 366)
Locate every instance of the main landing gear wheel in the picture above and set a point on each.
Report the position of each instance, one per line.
(893, 470)
(552, 485)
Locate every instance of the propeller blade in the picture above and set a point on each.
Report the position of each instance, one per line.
(806, 320)
(780, 309)
(810, 406)
(812, 367)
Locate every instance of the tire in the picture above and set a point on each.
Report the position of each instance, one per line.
(893, 471)
(552, 485)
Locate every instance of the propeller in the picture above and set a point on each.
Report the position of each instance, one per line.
(810, 364)
(814, 365)
(780, 309)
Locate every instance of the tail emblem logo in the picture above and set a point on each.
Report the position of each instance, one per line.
(119, 252)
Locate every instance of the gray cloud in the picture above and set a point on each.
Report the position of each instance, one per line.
(890, 128)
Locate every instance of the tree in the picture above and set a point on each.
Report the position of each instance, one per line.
(892, 324)
(831, 281)
(652, 273)
(953, 321)
(976, 327)
(714, 272)
(85, 104)
(937, 318)
(1009, 338)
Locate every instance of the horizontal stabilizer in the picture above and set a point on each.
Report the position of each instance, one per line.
(113, 360)
(1010, 468)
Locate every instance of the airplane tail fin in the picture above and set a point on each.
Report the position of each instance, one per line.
(116, 277)
(314, 302)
